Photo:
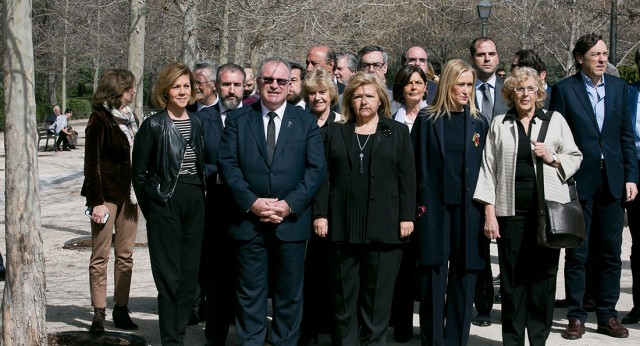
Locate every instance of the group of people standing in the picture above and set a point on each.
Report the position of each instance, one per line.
(343, 203)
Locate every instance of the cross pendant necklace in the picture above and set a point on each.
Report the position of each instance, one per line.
(361, 169)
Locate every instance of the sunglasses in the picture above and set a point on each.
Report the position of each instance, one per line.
(270, 80)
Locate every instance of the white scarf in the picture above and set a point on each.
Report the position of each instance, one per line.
(126, 121)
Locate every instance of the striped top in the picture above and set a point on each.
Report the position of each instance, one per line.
(189, 160)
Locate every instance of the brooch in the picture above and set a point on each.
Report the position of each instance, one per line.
(476, 139)
(421, 210)
(386, 130)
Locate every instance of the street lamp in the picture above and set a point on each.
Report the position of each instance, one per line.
(484, 11)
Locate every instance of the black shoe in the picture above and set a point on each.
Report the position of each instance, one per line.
(71, 146)
(497, 299)
(194, 318)
(632, 317)
(482, 320)
(66, 149)
(560, 303)
(97, 326)
(121, 318)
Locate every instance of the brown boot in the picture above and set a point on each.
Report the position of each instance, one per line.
(97, 326)
(122, 319)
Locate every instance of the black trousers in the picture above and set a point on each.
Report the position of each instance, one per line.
(484, 294)
(364, 277)
(175, 239)
(528, 272)
(446, 305)
(317, 312)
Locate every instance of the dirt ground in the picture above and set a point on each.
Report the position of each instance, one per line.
(68, 301)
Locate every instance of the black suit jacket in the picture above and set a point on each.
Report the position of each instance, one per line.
(615, 142)
(391, 179)
(213, 127)
(499, 105)
(294, 175)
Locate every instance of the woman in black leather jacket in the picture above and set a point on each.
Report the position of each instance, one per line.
(168, 178)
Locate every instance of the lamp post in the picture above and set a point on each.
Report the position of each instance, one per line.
(484, 11)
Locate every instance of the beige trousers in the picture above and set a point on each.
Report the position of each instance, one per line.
(124, 216)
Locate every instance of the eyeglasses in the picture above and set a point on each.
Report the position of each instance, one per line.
(199, 83)
(368, 66)
(416, 61)
(531, 89)
(270, 80)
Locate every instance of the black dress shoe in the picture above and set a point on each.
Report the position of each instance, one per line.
(560, 303)
(121, 318)
(632, 317)
(482, 320)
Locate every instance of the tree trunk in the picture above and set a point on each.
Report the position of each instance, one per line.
(223, 57)
(189, 36)
(64, 56)
(24, 301)
(137, 31)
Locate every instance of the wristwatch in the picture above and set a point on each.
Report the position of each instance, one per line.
(555, 160)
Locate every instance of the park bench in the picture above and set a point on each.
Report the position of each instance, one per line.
(43, 134)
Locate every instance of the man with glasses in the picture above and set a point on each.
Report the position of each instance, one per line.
(374, 59)
(596, 106)
(204, 74)
(484, 58)
(272, 159)
(417, 56)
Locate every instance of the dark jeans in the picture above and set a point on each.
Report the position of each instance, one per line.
(604, 220)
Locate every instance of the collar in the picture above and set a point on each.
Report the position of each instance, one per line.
(512, 115)
(589, 83)
(491, 81)
(279, 111)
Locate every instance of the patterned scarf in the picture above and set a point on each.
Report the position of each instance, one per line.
(126, 121)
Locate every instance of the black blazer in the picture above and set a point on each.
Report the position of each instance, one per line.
(391, 177)
(213, 127)
(428, 139)
(294, 175)
(616, 140)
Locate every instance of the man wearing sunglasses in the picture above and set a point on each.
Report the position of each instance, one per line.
(272, 159)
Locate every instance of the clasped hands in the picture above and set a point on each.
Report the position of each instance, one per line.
(270, 209)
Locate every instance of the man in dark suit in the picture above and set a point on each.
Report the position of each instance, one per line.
(272, 159)
(295, 87)
(633, 208)
(417, 56)
(216, 272)
(596, 107)
(485, 59)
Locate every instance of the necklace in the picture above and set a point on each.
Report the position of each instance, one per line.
(361, 170)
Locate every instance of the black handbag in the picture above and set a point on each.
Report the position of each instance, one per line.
(560, 225)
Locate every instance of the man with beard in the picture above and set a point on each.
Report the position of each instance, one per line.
(295, 91)
(215, 270)
(230, 84)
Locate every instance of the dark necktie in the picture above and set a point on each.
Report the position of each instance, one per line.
(487, 105)
(271, 136)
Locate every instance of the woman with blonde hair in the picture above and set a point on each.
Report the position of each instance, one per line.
(448, 144)
(168, 177)
(365, 209)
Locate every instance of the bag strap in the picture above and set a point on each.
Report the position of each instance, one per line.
(539, 169)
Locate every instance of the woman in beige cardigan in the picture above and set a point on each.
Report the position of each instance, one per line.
(507, 187)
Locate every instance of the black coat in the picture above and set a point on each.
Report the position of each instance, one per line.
(391, 179)
(428, 237)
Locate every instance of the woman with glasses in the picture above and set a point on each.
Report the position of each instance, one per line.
(365, 209)
(111, 202)
(507, 187)
(168, 177)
